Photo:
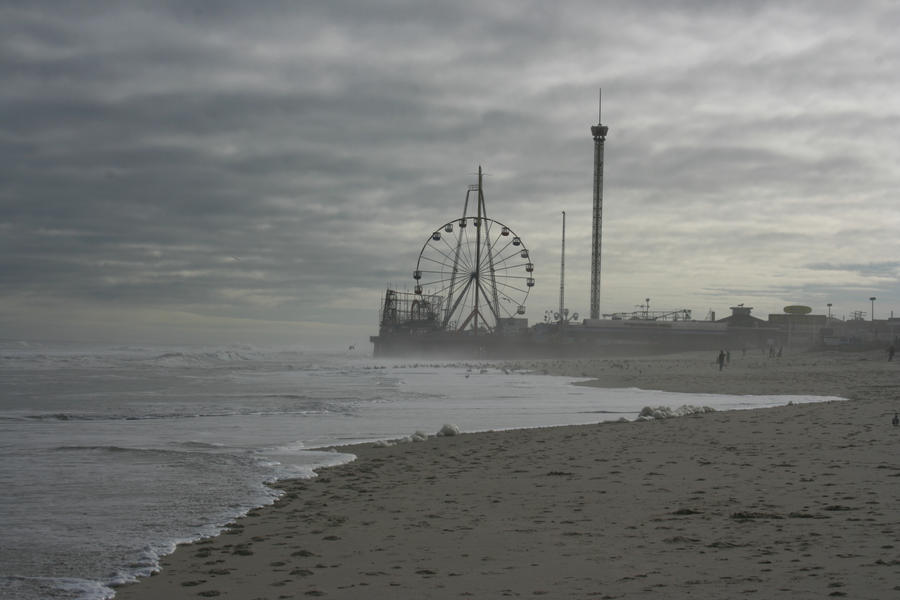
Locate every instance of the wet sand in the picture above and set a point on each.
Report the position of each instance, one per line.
(800, 501)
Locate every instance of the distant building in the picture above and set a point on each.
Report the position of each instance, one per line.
(512, 325)
(799, 330)
(747, 331)
(860, 333)
(740, 317)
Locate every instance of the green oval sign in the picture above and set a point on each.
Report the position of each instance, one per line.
(797, 309)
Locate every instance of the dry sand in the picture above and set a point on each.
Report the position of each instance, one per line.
(801, 501)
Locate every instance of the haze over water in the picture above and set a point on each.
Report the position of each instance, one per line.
(111, 455)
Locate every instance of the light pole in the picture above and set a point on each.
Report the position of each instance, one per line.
(872, 300)
(562, 272)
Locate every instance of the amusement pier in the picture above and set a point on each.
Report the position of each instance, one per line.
(472, 280)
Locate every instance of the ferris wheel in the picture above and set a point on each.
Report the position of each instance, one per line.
(481, 270)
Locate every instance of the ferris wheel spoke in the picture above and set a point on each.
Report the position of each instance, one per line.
(433, 289)
(507, 297)
(512, 287)
(431, 272)
(445, 283)
(507, 312)
(503, 274)
(442, 285)
(516, 278)
(510, 253)
(447, 256)
(505, 267)
(448, 259)
(512, 282)
(453, 257)
(488, 264)
(509, 242)
(431, 260)
(454, 251)
(446, 239)
(436, 288)
(505, 254)
(516, 253)
(451, 252)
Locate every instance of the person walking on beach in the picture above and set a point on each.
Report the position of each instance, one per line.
(891, 351)
(896, 420)
(721, 359)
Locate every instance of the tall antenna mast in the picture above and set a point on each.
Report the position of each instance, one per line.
(478, 248)
(562, 273)
(598, 132)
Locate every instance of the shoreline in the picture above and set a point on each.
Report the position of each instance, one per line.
(793, 501)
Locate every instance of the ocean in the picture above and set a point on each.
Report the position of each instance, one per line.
(112, 455)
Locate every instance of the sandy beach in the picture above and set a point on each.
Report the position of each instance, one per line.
(801, 501)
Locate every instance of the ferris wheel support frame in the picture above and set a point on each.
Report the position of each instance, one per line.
(466, 266)
(476, 309)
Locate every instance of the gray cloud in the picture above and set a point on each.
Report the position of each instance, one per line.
(283, 162)
(889, 269)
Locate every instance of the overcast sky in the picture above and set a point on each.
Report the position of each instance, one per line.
(259, 172)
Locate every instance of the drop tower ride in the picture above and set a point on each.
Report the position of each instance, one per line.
(598, 131)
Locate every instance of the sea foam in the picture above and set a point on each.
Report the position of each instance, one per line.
(649, 413)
